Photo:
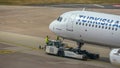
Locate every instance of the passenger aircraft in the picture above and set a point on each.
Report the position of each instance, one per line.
(90, 27)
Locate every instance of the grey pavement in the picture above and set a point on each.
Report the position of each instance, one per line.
(80, 6)
(19, 59)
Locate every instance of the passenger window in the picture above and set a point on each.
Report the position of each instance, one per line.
(109, 28)
(79, 23)
(86, 24)
(89, 25)
(76, 22)
(113, 28)
(116, 29)
(83, 24)
(102, 27)
(96, 26)
(106, 27)
(99, 26)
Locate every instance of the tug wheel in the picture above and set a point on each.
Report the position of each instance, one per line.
(60, 53)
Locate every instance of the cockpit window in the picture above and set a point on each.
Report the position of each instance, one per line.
(59, 19)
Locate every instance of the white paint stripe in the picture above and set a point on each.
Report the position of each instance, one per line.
(101, 6)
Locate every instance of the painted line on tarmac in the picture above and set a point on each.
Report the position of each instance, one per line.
(97, 5)
(6, 51)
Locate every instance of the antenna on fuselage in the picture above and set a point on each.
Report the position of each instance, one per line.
(83, 9)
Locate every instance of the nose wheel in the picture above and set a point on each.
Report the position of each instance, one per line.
(88, 54)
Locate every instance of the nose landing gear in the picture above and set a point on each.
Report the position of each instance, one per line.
(88, 54)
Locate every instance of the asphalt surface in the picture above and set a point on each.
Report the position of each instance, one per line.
(29, 58)
(99, 6)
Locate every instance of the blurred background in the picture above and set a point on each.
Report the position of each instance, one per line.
(46, 2)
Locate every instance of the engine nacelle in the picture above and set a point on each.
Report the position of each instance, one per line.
(115, 56)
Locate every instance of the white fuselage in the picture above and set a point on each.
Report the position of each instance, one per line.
(88, 26)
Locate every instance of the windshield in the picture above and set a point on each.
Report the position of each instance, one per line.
(59, 19)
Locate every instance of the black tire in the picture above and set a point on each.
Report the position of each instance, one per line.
(94, 56)
(40, 47)
(85, 57)
(97, 56)
(60, 53)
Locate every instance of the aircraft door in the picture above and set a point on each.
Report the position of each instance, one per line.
(69, 24)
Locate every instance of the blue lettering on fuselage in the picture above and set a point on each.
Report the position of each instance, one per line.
(98, 20)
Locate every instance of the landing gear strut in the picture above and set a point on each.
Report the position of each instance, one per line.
(88, 54)
(80, 44)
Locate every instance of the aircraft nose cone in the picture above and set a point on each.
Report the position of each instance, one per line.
(51, 26)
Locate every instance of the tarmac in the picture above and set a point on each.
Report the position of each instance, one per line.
(23, 29)
(97, 6)
(23, 57)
